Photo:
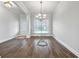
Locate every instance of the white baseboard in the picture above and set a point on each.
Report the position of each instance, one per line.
(67, 46)
(41, 35)
(8, 38)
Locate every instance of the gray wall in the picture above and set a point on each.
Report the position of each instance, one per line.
(66, 24)
(9, 25)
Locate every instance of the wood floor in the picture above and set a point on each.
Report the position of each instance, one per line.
(28, 48)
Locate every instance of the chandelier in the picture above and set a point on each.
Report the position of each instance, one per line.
(41, 42)
(41, 15)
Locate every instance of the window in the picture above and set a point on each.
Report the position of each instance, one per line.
(40, 26)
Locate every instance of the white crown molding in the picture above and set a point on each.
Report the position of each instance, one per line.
(22, 7)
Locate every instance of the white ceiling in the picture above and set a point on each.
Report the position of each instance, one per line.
(14, 9)
(34, 6)
(17, 11)
(23, 7)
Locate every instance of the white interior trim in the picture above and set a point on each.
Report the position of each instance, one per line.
(41, 35)
(67, 46)
(9, 38)
(22, 6)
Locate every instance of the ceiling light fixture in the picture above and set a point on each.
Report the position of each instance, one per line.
(41, 15)
(9, 4)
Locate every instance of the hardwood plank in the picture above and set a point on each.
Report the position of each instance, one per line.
(28, 48)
